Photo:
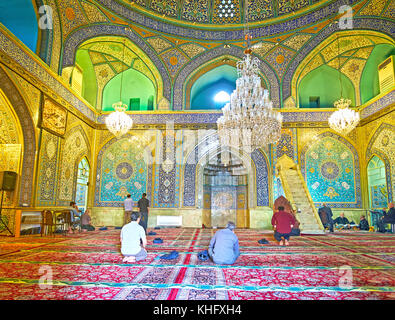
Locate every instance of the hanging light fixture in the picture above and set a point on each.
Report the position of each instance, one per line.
(249, 121)
(118, 122)
(344, 119)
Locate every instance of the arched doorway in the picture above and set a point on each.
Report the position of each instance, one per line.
(81, 194)
(225, 191)
(377, 184)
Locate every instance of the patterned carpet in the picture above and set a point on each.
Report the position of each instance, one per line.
(88, 266)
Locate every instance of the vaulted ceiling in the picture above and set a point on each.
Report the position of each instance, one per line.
(219, 12)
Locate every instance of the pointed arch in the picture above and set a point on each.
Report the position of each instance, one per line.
(195, 76)
(74, 147)
(382, 145)
(376, 201)
(113, 169)
(256, 163)
(81, 35)
(180, 86)
(83, 174)
(383, 26)
(29, 137)
(331, 169)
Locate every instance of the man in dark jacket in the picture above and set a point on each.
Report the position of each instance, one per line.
(363, 224)
(282, 222)
(296, 228)
(326, 216)
(143, 205)
(388, 217)
(342, 221)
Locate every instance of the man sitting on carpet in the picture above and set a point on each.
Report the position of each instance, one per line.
(132, 235)
(282, 222)
(86, 221)
(296, 227)
(363, 224)
(388, 217)
(224, 246)
(342, 222)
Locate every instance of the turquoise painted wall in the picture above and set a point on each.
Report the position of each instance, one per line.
(19, 17)
(222, 78)
(204, 99)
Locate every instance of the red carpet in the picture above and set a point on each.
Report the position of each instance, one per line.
(89, 266)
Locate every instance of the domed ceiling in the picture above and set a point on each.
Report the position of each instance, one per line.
(220, 12)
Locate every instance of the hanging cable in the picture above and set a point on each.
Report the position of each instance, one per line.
(338, 66)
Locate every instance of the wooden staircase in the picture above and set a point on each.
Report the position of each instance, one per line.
(298, 194)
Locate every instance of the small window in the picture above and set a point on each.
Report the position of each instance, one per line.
(134, 104)
(314, 102)
(150, 105)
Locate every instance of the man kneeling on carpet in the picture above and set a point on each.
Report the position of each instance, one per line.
(224, 246)
(86, 221)
(133, 240)
(282, 222)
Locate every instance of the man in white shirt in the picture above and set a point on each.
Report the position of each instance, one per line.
(128, 205)
(133, 240)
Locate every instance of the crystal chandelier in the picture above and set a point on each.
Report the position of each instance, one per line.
(118, 122)
(344, 119)
(249, 121)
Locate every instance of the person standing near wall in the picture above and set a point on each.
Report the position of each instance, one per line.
(143, 205)
(128, 205)
(326, 213)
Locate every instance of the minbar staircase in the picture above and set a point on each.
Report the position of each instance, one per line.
(298, 194)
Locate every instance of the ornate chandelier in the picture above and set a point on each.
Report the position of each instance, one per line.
(344, 119)
(249, 121)
(118, 122)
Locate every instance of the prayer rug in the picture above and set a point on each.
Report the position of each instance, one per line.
(88, 266)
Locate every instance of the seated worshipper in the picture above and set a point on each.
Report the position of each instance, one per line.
(342, 222)
(363, 224)
(132, 235)
(282, 222)
(388, 217)
(86, 221)
(224, 246)
(75, 211)
(75, 216)
(295, 229)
